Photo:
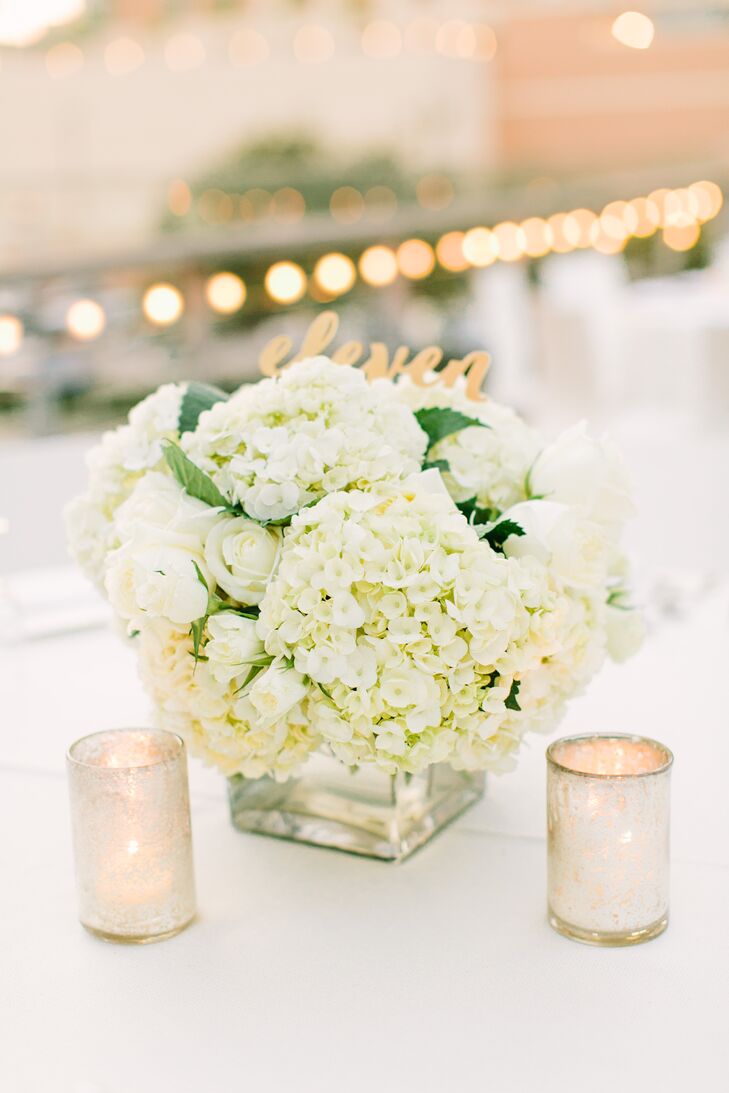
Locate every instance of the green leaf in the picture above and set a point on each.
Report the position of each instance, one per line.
(441, 465)
(194, 481)
(511, 703)
(197, 629)
(254, 670)
(197, 397)
(497, 535)
(440, 421)
(474, 514)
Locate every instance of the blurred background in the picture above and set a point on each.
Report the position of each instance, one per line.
(183, 179)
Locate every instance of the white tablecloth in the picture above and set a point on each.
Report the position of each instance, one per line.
(315, 971)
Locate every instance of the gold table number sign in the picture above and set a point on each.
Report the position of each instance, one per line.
(419, 368)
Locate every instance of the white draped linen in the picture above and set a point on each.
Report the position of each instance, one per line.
(315, 971)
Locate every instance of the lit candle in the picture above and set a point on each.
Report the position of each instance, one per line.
(130, 816)
(608, 828)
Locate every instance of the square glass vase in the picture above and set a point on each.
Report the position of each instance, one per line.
(362, 810)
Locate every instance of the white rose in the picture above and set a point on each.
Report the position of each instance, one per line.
(158, 580)
(242, 557)
(232, 645)
(580, 470)
(624, 631)
(158, 501)
(574, 549)
(275, 691)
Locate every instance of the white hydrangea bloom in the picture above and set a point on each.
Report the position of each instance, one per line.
(221, 727)
(317, 427)
(389, 603)
(488, 464)
(115, 465)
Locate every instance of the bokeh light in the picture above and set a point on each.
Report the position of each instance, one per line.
(434, 192)
(381, 39)
(681, 237)
(63, 59)
(420, 35)
(313, 44)
(179, 197)
(449, 252)
(577, 225)
(248, 47)
(347, 205)
(335, 273)
(708, 199)
(122, 56)
(163, 304)
(225, 292)
(380, 202)
(85, 320)
(560, 243)
(285, 282)
(11, 334)
(633, 29)
(184, 52)
(535, 237)
(479, 247)
(378, 266)
(508, 242)
(288, 205)
(415, 259)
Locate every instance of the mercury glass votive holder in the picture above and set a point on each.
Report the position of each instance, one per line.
(130, 817)
(608, 808)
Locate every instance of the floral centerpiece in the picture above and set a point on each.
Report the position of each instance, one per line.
(386, 582)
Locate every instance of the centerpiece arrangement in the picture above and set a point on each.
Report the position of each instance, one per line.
(353, 597)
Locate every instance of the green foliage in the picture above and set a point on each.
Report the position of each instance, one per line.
(197, 397)
(438, 422)
(511, 699)
(194, 481)
(474, 514)
(497, 535)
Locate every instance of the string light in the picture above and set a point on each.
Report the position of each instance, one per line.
(85, 320)
(535, 237)
(381, 39)
(225, 293)
(11, 334)
(560, 243)
(288, 205)
(681, 237)
(380, 202)
(633, 29)
(179, 197)
(313, 44)
(508, 243)
(420, 35)
(415, 259)
(486, 43)
(709, 199)
(285, 282)
(434, 192)
(63, 60)
(346, 205)
(184, 52)
(378, 266)
(122, 56)
(163, 304)
(248, 47)
(335, 274)
(449, 252)
(479, 247)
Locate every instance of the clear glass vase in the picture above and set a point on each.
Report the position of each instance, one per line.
(362, 810)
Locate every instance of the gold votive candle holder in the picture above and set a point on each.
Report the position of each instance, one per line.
(130, 818)
(608, 812)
